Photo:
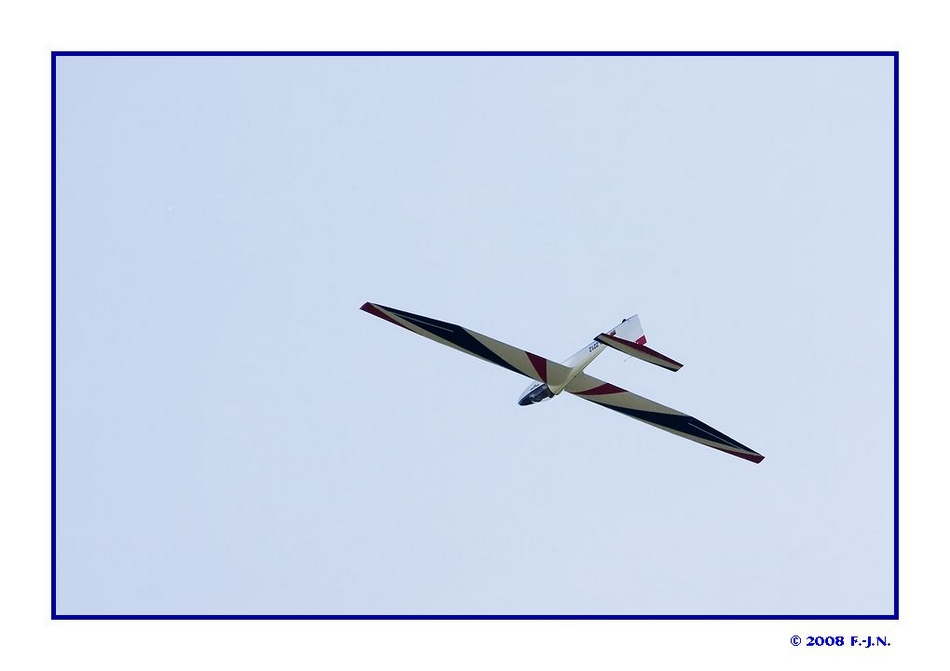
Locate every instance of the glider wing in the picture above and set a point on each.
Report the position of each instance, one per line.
(518, 360)
(620, 400)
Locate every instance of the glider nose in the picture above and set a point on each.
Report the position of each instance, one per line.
(535, 394)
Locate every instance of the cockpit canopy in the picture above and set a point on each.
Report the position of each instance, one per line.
(536, 393)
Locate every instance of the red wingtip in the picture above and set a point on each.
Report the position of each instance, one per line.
(754, 457)
(376, 312)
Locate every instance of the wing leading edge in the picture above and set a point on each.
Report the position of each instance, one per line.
(620, 400)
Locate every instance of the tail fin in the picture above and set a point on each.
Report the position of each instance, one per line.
(630, 329)
(628, 337)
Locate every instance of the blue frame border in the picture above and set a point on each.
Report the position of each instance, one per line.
(57, 616)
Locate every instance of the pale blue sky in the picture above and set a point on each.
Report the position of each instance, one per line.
(235, 436)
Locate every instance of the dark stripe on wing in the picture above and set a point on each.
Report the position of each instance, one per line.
(690, 426)
(454, 334)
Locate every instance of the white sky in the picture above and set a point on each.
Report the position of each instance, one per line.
(235, 436)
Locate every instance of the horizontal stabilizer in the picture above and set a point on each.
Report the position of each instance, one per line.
(640, 351)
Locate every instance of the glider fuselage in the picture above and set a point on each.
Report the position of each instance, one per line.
(629, 329)
(539, 391)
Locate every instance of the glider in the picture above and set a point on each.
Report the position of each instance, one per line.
(552, 378)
